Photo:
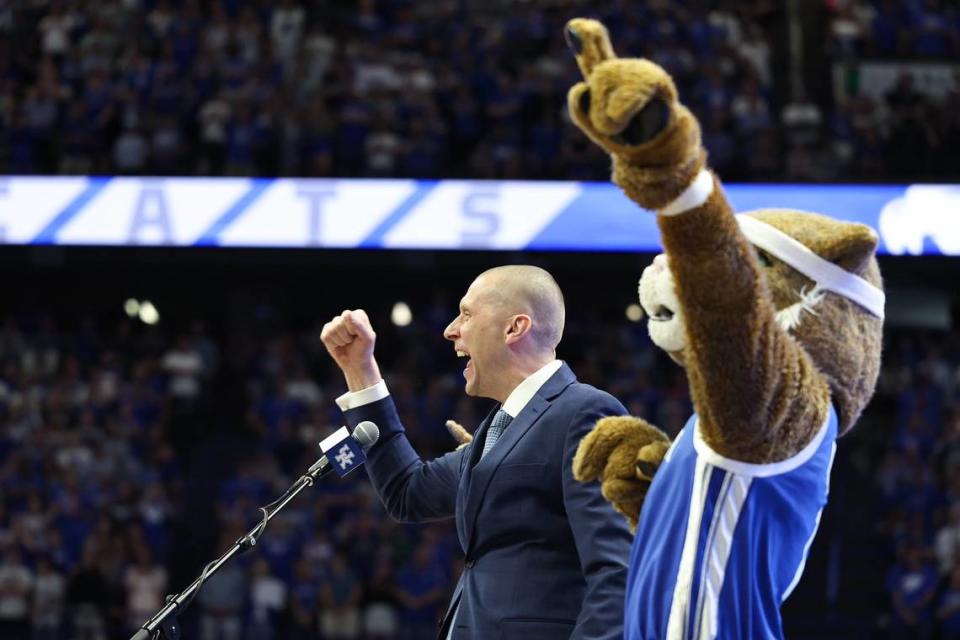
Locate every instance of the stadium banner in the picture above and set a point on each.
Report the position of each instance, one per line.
(411, 214)
(874, 79)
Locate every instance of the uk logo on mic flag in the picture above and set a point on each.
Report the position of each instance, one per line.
(344, 453)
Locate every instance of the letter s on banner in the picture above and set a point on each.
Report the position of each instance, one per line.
(481, 218)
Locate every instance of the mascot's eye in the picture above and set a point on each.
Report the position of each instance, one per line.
(764, 259)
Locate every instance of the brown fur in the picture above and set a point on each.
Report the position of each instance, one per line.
(761, 392)
(622, 452)
(843, 340)
(652, 174)
(759, 396)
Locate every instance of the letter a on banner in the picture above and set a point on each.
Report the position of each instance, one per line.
(151, 212)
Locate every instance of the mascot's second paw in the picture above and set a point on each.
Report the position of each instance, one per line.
(461, 435)
(649, 459)
(623, 453)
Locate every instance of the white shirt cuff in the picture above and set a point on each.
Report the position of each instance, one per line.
(354, 399)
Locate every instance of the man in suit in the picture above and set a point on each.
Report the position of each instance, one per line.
(545, 555)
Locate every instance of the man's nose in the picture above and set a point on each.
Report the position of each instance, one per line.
(450, 333)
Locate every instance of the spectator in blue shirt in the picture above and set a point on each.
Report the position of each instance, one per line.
(421, 591)
(912, 585)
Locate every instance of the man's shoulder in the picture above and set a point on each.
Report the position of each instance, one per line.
(582, 393)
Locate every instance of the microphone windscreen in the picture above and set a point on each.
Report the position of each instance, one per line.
(366, 434)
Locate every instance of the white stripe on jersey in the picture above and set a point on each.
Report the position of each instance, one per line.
(680, 605)
(711, 533)
(730, 500)
(718, 553)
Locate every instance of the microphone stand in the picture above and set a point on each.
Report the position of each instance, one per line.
(163, 625)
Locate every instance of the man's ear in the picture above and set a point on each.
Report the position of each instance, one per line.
(520, 325)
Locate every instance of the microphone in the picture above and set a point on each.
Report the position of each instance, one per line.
(367, 434)
(347, 457)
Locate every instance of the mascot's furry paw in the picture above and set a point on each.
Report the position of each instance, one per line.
(629, 107)
(649, 459)
(461, 435)
(622, 452)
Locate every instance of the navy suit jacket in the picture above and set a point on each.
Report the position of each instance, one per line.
(546, 556)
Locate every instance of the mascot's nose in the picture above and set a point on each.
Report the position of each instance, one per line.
(660, 262)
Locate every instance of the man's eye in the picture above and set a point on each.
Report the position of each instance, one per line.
(764, 259)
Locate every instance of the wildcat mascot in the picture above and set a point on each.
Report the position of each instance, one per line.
(776, 317)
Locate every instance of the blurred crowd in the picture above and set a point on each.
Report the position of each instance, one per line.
(130, 456)
(450, 88)
(894, 29)
(918, 485)
(99, 432)
(912, 129)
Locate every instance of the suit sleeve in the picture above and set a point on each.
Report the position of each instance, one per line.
(411, 490)
(601, 536)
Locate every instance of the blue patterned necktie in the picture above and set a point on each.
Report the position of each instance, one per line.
(500, 422)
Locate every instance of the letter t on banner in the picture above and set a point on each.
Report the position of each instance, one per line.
(343, 452)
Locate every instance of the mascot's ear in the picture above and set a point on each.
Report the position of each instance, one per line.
(852, 247)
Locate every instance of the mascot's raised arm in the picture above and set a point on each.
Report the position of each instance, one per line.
(776, 317)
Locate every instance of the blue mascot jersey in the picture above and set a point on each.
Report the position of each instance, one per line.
(721, 543)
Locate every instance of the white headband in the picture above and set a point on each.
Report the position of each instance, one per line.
(826, 274)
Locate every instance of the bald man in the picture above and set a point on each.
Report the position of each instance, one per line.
(546, 556)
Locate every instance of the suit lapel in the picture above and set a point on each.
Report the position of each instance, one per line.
(480, 472)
